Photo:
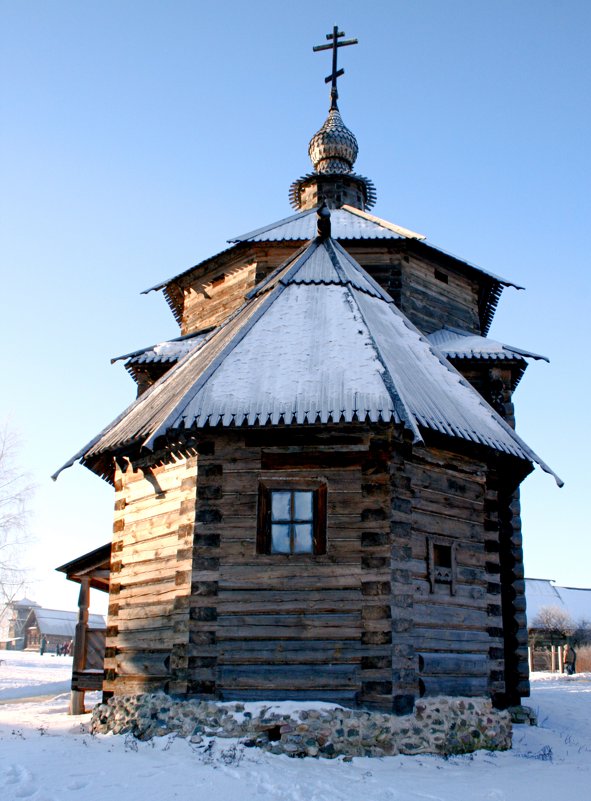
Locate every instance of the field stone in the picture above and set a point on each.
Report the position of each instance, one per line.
(439, 726)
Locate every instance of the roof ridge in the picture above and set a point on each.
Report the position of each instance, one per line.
(276, 224)
(400, 404)
(397, 229)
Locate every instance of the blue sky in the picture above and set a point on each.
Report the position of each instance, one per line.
(137, 138)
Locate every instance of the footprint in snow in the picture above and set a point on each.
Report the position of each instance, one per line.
(21, 780)
(77, 785)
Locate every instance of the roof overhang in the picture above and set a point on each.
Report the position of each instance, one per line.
(94, 565)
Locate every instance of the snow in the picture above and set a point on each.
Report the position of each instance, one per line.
(46, 755)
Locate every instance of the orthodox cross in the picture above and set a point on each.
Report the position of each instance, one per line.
(334, 38)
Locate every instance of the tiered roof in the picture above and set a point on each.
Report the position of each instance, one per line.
(319, 341)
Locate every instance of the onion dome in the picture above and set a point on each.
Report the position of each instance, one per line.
(334, 148)
(333, 151)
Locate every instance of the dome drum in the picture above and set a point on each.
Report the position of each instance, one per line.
(336, 189)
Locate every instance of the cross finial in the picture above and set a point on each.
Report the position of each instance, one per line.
(335, 44)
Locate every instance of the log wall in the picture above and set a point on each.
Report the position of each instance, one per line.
(212, 293)
(194, 609)
(432, 303)
(458, 627)
(301, 626)
(147, 628)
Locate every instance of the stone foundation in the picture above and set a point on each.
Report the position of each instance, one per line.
(437, 726)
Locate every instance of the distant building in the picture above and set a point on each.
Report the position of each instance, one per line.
(17, 614)
(57, 626)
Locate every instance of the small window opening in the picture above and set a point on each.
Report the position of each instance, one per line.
(443, 277)
(441, 563)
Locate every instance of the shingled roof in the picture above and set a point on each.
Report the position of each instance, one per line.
(319, 341)
(348, 225)
(454, 343)
(58, 623)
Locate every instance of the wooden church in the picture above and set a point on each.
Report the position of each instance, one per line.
(317, 487)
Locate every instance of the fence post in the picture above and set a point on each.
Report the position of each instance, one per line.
(553, 662)
(561, 659)
(530, 658)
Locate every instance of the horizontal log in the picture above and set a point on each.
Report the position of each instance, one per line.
(461, 664)
(431, 498)
(347, 549)
(155, 508)
(447, 634)
(442, 524)
(136, 535)
(445, 615)
(160, 523)
(143, 664)
(243, 633)
(142, 625)
(144, 611)
(149, 593)
(137, 554)
(303, 582)
(288, 595)
(293, 651)
(303, 621)
(343, 697)
(143, 641)
(286, 567)
(341, 482)
(288, 677)
(455, 686)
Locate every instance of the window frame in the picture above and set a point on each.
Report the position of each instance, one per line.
(319, 495)
(435, 572)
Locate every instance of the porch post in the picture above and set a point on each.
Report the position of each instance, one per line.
(80, 646)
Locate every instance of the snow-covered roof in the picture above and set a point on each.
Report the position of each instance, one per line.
(24, 603)
(543, 593)
(347, 223)
(60, 623)
(168, 351)
(455, 343)
(317, 341)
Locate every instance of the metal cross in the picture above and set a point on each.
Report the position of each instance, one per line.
(335, 44)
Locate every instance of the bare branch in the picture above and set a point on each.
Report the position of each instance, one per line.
(554, 620)
(16, 492)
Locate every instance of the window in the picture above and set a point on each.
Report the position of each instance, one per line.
(441, 559)
(292, 518)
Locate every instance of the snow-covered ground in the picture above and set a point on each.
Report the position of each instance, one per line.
(46, 755)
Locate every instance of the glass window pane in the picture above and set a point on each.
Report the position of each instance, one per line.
(302, 540)
(280, 539)
(281, 506)
(303, 507)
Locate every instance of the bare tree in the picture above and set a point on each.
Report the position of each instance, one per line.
(554, 622)
(15, 496)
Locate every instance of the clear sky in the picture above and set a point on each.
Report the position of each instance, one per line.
(137, 137)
